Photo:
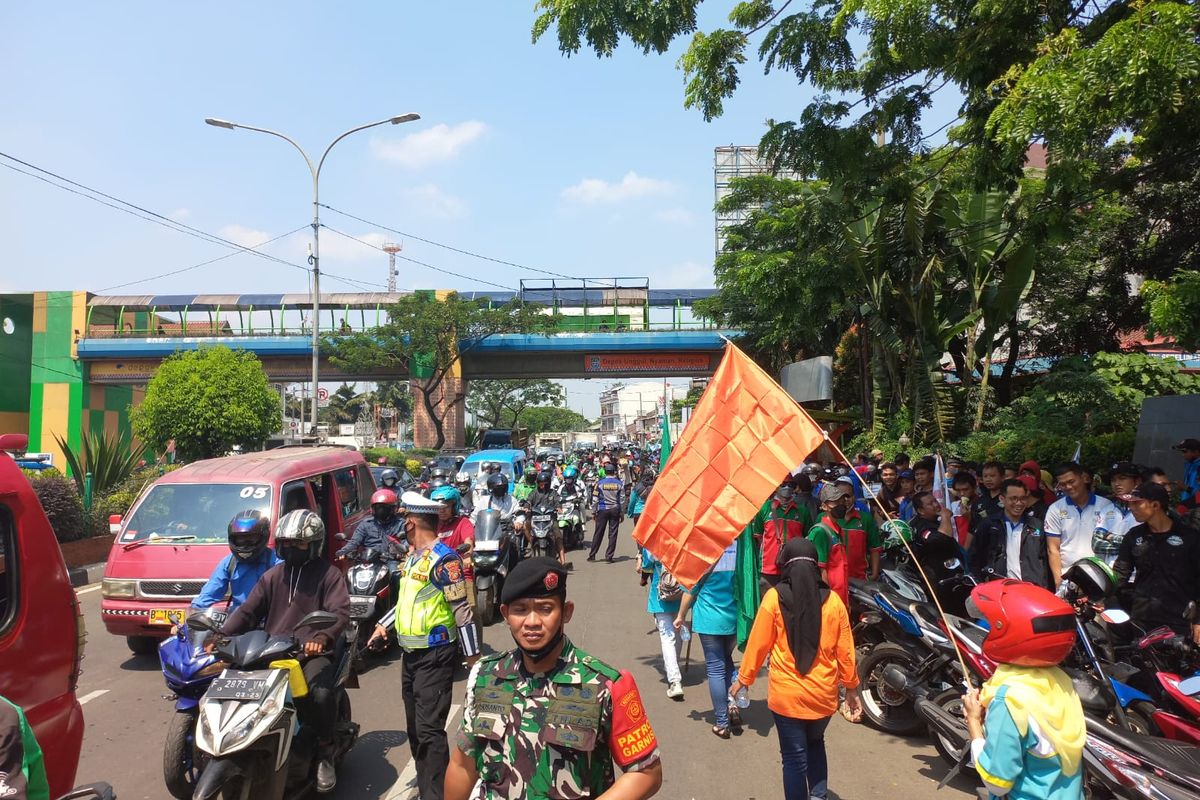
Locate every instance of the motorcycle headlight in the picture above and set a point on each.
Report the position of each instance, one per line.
(241, 732)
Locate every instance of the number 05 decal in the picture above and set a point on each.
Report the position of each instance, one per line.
(257, 492)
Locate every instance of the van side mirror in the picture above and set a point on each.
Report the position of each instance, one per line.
(341, 537)
(318, 620)
(114, 524)
(1192, 613)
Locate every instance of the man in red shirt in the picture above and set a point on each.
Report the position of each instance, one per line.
(829, 536)
(784, 519)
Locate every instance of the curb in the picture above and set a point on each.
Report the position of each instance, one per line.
(82, 576)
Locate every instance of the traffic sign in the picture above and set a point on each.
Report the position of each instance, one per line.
(322, 397)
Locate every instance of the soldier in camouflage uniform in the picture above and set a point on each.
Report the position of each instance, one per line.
(547, 720)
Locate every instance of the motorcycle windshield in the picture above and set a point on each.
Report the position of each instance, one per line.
(488, 528)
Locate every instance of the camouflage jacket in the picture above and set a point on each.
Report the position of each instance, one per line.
(552, 735)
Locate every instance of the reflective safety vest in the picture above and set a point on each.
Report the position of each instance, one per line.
(424, 618)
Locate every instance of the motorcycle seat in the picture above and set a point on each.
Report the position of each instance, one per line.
(1182, 760)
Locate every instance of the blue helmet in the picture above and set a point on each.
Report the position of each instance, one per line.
(248, 533)
(447, 494)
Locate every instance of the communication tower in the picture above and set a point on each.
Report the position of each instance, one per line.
(391, 248)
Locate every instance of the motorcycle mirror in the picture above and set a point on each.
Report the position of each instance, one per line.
(202, 622)
(318, 620)
(1114, 616)
(1190, 686)
(463, 548)
(341, 537)
(952, 563)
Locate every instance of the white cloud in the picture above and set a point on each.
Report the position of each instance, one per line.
(678, 216)
(336, 247)
(180, 214)
(597, 190)
(439, 143)
(687, 275)
(435, 202)
(246, 237)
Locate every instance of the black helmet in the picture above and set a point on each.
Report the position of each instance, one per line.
(1092, 577)
(543, 479)
(497, 484)
(248, 534)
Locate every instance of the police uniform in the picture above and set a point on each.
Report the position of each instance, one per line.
(555, 734)
(430, 616)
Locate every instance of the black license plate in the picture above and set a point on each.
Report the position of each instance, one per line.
(237, 689)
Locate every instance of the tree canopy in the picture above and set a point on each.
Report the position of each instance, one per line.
(540, 419)
(500, 403)
(207, 401)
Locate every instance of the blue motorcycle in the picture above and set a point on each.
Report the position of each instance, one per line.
(188, 670)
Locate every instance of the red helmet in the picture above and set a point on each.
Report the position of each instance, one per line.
(1030, 626)
(384, 497)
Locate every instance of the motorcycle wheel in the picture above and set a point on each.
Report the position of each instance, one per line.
(181, 765)
(1139, 714)
(949, 701)
(885, 708)
(485, 606)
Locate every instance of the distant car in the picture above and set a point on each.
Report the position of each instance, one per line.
(407, 481)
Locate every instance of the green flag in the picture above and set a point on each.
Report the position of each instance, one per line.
(745, 577)
(666, 440)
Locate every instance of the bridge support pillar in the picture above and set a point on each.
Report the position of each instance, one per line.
(449, 400)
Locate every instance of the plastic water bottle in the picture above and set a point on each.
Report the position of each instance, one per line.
(685, 633)
(742, 698)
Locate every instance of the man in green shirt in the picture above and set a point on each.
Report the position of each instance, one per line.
(22, 771)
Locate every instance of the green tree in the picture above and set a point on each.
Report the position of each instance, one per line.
(540, 419)
(345, 405)
(500, 403)
(428, 336)
(687, 401)
(207, 401)
(1175, 308)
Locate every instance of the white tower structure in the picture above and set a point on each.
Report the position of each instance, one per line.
(391, 248)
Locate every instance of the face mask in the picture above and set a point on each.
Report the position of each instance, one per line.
(383, 514)
(499, 491)
(409, 530)
(295, 557)
(542, 652)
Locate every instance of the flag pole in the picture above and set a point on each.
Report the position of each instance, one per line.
(916, 562)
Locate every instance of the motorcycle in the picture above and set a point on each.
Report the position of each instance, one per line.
(91, 791)
(188, 670)
(542, 531)
(494, 555)
(248, 723)
(570, 520)
(370, 582)
(1121, 764)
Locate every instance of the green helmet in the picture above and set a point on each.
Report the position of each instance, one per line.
(894, 532)
(530, 474)
(1094, 578)
(447, 494)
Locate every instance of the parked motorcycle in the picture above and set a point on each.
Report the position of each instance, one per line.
(494, 555)
(188, 670)
(570, 521)
(370, 582)
(248, 720)
(542, 524)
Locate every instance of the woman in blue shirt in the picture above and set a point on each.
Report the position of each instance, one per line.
(664, 612)
(714, 617)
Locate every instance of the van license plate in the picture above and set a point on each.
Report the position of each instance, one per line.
(237, 689)
(167, 616)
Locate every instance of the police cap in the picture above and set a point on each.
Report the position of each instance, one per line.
(534, 578)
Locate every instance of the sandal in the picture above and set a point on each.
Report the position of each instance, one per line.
(720, 732)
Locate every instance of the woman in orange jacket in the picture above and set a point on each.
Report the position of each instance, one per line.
(805, 629)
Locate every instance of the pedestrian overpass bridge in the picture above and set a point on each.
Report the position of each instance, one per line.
(606, 331)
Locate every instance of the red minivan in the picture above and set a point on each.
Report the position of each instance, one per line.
(41, 629)
(175, 534)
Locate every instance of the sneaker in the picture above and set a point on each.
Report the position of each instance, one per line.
(675, 691)
(326, 775)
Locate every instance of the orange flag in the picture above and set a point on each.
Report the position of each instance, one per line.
(744, 437)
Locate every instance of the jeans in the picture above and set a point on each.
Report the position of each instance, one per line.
(718, 663)
(802, 747)
(671, 642)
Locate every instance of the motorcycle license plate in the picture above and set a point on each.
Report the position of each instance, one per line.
(542, 518)
(237, 689)
(167, 616)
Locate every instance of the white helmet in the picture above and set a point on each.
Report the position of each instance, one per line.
(304, 528)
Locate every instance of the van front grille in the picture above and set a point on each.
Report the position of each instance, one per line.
(170, 588)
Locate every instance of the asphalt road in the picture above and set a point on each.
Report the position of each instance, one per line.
(127, 715)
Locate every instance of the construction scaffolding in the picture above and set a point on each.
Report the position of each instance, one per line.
(737, 161)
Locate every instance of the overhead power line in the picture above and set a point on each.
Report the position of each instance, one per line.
(365, 243)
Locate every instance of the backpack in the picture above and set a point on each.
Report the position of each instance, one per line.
(669, 589)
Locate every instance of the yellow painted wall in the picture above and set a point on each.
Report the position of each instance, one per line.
(56, 414)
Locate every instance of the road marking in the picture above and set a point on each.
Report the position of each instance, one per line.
(95, 587)
(92, 696)
(408, 777)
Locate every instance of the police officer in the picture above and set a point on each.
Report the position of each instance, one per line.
(547, 719)
(431, 614)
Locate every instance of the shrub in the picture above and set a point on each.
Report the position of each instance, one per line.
(414, 466)
(62, 504)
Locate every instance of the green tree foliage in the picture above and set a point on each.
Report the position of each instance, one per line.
(500, 403)
(109, 458)
(207, 401)
(428, 336)
(345, 405)
(687, 401)
(1175, 307)
(61, 500)
(540, 419)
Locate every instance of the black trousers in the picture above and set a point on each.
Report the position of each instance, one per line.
(319, 708)
(427, 686)
(610, 518)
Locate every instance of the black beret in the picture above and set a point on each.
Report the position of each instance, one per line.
(535, 577)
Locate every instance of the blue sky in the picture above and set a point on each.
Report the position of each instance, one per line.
(586, 167)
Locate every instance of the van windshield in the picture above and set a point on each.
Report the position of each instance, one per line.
(472, 469)
(193, 512)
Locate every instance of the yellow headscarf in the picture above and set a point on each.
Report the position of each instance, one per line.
(1046, 694)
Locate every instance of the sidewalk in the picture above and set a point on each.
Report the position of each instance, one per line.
(82, 576)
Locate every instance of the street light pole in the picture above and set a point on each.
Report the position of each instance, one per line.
(315, 258)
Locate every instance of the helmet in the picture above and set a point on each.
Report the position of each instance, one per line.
(462, 479)
(602, 472)
(486, 466)
(570, 473)
(1092, 577)
(431, 463)
(1029, 626)
(458, 461)
(497, 484)
(543, 480)
(248, 533)
(530, 472)
(384, 497)
(302, 528)
(447, 494)
(381, 460)
(389, 479)
(894, 532)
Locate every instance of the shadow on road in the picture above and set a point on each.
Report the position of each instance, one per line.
(366, 772)
(142, 664)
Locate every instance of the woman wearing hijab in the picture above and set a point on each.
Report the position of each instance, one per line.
(805, 629)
